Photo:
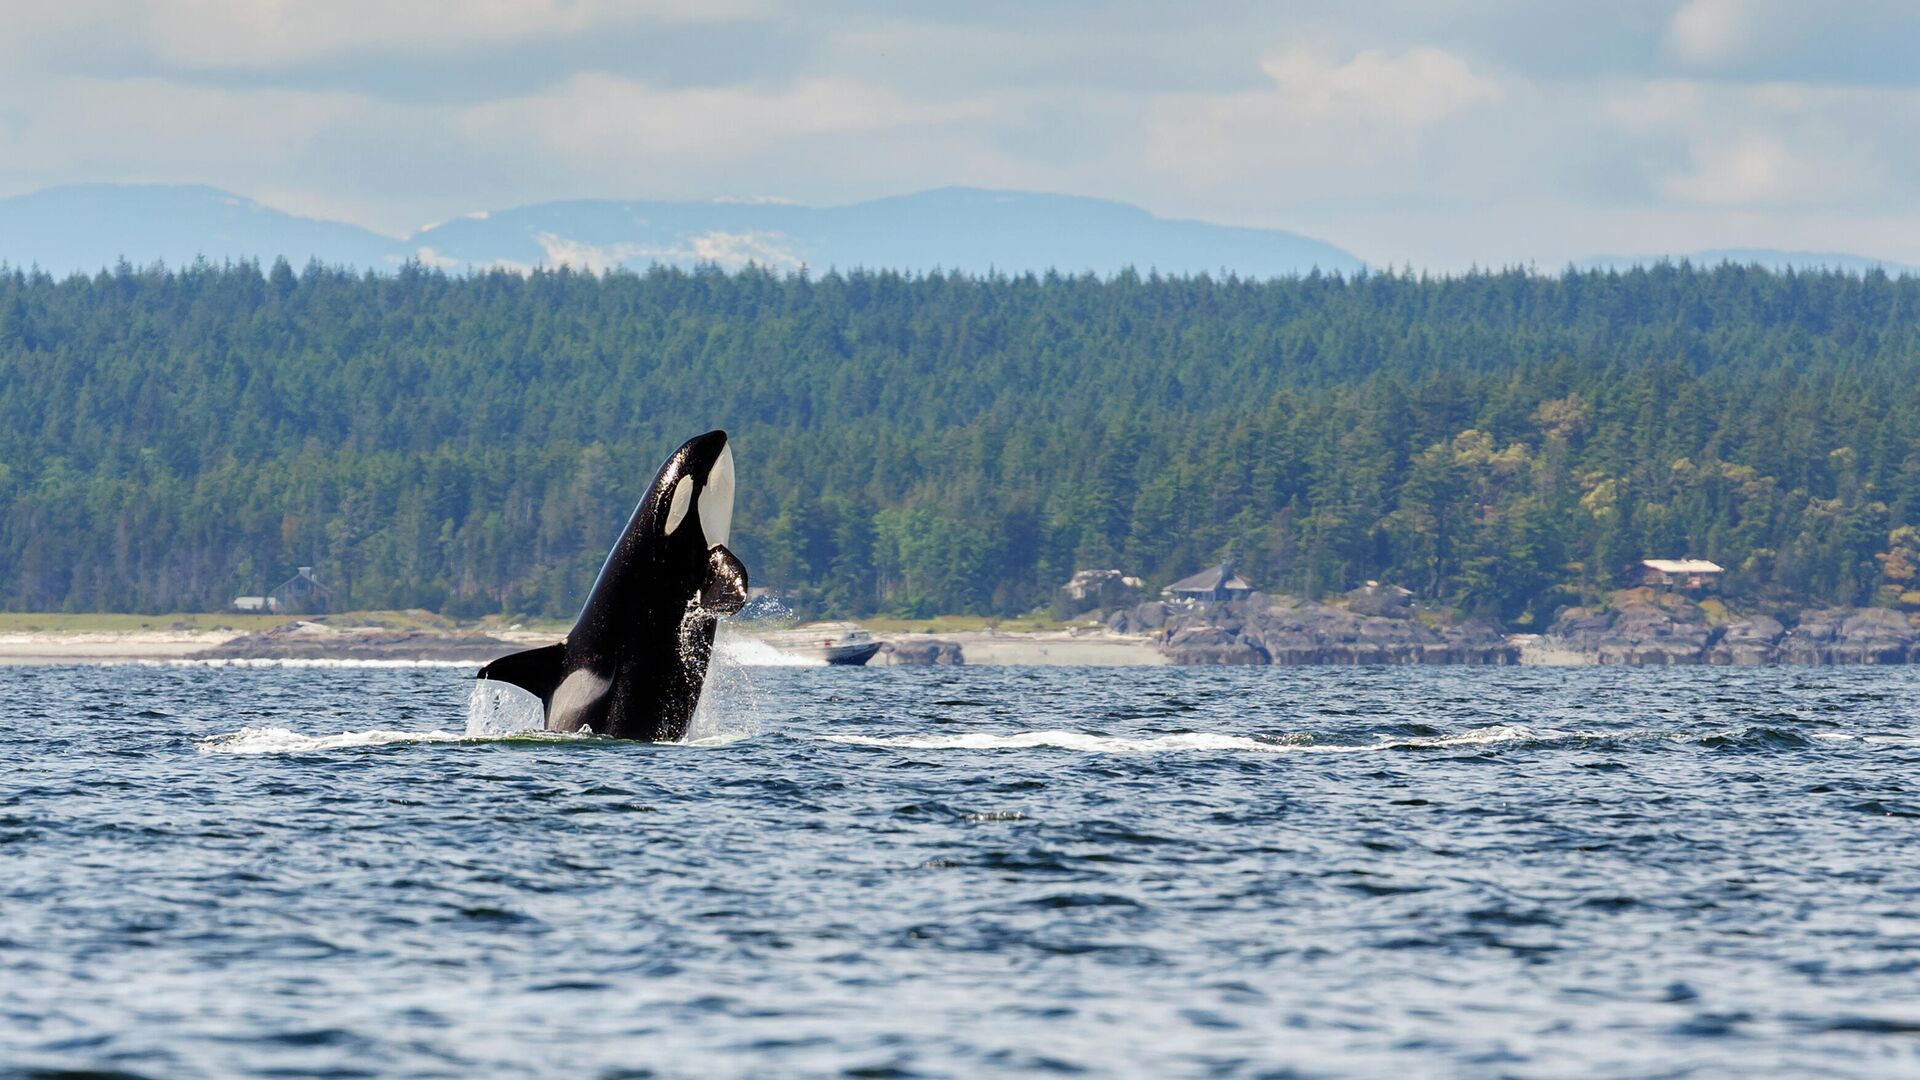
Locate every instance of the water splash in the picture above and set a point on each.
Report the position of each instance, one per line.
(729, 708)
(496, 708)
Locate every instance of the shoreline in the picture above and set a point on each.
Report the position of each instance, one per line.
(980, 648)
(107, 647)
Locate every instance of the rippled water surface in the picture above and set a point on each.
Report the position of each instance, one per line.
(1464, 872)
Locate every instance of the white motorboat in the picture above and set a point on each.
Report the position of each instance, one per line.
(832, 642)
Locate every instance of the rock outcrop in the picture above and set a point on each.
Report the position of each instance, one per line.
(921, 652)
(1847, 636)
(1644, 627)
(1748, 643)
(1287, 630)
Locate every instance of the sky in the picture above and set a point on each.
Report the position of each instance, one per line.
(1411, 132)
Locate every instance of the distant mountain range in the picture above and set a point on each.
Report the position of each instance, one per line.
(84, 227)
(89, 226)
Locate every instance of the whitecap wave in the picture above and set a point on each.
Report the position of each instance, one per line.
(275, 740)
(1187, 741)
(307, 662)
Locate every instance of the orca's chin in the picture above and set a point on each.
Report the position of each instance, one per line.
(716, 500)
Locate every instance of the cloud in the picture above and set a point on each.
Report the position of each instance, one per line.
(1319, 111)
(1771, 144)
(608, 120)
(264, 34)
(148, 128)
(1710, 31)
(1413, 89)
(1476, 130)
(1744, 167)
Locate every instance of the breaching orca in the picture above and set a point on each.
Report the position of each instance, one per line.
(636, 658)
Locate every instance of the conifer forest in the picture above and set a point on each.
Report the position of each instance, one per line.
(1507, 443)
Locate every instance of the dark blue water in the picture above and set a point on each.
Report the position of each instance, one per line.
(967, 872)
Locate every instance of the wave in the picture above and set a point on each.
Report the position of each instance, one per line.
(1755, 737)
(278, 740)
(1187, 741)
(275, 740)
(307, 662)
(1871, 740)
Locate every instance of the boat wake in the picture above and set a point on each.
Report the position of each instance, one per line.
(751, 652)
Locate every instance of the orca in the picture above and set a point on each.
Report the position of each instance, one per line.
(634, 663)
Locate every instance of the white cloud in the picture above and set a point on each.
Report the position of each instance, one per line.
(1321, 111)
(1745, 167)
(1414, 89)
(1710, 32)
(1742, 144)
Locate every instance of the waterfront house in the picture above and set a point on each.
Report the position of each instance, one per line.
(1679, 573)
(301, 593)
(1218, 584)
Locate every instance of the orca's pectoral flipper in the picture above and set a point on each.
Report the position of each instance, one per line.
(537, 671)
(724, 591)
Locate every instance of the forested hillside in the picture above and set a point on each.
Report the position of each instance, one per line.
(956, 444)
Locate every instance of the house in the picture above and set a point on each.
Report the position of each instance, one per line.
(255, 603)
(1679, 573)
(1217, 584)
(301, 593)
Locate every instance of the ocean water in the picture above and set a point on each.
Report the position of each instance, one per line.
(323, 871)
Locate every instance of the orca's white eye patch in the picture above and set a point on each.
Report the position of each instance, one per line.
(682, 498)
(716, 500)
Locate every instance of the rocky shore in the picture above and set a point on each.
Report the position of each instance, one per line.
(1381, 625)
(1643, 627)
(924, 652)
(1376, 626)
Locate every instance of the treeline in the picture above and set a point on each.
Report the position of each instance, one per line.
(1506, 441)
